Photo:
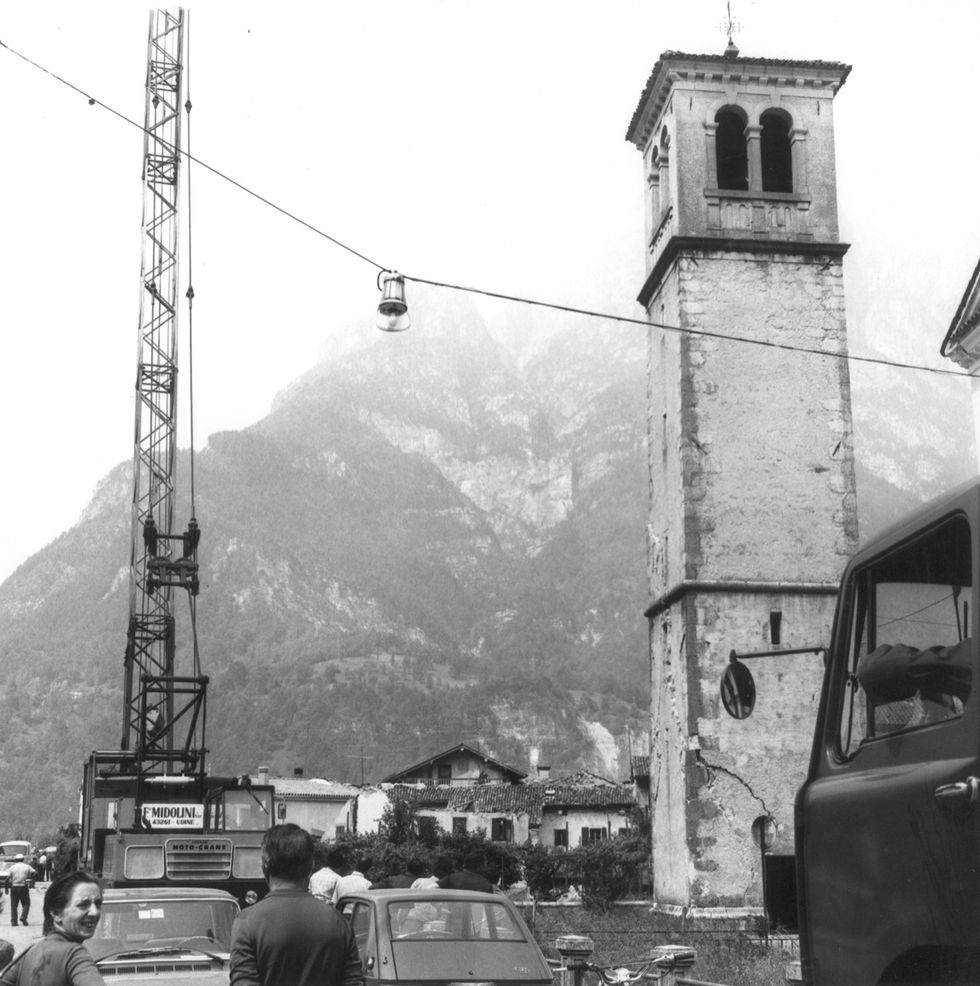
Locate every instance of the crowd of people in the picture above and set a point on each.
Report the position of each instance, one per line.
(338, 872)
(294, 936)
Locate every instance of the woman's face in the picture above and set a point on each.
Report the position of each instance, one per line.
(79, 917)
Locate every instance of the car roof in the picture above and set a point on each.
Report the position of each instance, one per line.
(433, 893)
(165, 893)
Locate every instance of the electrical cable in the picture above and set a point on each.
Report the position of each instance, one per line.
(807, 350)
(93, 101)
(707, 333)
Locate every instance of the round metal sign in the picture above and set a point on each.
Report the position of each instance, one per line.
(738, 690)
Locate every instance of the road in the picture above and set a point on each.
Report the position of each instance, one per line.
(22, 936)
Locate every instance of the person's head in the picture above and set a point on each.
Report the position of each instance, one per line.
(395, 866)
(416, 867)
(287, 854)
(473, 862)
(319, 855)
(336, 860)
(493, 870)
(73, 906)
(443, 866)
(364, 865)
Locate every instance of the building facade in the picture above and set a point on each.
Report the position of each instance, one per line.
(752, 491)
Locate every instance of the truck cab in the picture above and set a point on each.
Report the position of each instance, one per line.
(888, 818)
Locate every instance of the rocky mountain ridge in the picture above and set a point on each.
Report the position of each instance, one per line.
(432, 538)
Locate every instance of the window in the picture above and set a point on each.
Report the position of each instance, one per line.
(910, 655)
(501, 830)
(240, 811)
(459, 825)
(445, 772)
(561, 837)
(359, 917)
(777, 158)
(136, 922)
(732, 157)
(438, 920)
(592, 835)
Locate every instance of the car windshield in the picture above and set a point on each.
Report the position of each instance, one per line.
(161, 922)
(461, 920)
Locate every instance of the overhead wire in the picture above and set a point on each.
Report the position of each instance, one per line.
(518, 299)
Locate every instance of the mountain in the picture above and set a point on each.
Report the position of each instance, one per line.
(431, 538)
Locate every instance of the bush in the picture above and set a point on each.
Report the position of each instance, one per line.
(609, 870)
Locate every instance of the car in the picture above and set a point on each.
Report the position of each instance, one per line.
(443, 936)
(174, 934)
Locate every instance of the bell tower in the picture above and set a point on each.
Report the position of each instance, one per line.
(752, 494)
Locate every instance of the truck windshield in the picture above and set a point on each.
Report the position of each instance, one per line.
(241, 811)
(910, 653)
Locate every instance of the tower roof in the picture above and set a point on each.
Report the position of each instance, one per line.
(675, 65)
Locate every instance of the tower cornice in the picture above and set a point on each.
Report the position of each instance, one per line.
(725, 245)
(674, 67)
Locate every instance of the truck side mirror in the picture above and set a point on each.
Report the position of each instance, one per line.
(738, 690)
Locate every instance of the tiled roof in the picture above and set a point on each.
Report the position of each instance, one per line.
(733, 64)
(420, 795)
(311, 789)
(639, 765)
(515, 799)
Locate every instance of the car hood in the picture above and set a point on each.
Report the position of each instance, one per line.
(172, 966)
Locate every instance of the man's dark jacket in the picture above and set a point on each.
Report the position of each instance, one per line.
(290, 938)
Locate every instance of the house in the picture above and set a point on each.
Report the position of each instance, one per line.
(324, 808)
(459, 765)
(464, 790)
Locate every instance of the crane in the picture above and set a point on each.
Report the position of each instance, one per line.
(151, 812)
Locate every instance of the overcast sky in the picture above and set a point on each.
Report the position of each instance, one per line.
(473, 143)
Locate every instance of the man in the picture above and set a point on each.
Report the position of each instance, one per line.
(289, 938)
(397, 878)
(469, 877)
(324, 880)
(20, 878)
(352, 878)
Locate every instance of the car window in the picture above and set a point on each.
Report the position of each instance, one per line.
(452, 919)
(359, 917)
(138, 921)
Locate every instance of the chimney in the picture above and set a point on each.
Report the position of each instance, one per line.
(297, 771)
(263, 775)
(544, 771)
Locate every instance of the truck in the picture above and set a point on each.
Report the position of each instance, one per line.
(887, 820)
(160, 830)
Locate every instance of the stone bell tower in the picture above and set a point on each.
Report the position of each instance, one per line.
(752, 497)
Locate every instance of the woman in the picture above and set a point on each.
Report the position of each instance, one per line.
(72, 908)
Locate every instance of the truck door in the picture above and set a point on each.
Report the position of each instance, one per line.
(888, 820)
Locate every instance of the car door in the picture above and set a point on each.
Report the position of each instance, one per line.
(888, 821)
(360, 917)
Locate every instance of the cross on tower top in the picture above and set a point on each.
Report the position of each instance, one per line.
(731, 27)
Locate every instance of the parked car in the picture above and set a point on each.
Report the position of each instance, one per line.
(442, 936)
(180, 934)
